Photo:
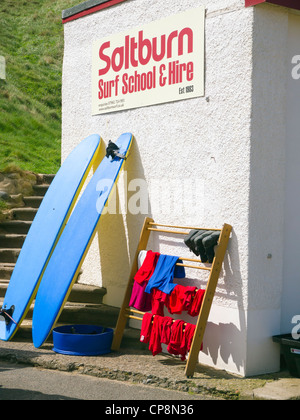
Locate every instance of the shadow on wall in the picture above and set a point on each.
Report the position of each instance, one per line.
(120, 230)
(100, 156)
(117, 243)
(223, 340)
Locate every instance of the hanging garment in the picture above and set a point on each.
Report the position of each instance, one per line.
(189, 294)
(187, 340)
(198, 245)
(158, 299)
(202, 242)
(176, 339)
(196, 304)
(164, 274)
(166, 328)
(146, 328)
(155, 337)
(174, 302)
(158, 330)
(189, 240)
(180, 299)
(209, 242)
(139, 299)
(141, 258)
(147, 268)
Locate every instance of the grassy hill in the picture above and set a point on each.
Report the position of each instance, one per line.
(31, 40)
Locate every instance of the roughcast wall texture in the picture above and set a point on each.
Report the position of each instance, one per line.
(194, 155)
(200, 162)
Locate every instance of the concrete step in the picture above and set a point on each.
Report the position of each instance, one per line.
(6, 270)
(3, 287)
(81, 313)
(80, 294)
(12, 240)
(40, 189)
(47, 178)
(84, 304)
(87, 294)
(9, 255)
(33, 201)
(15, 226)
(24, 214)
(75, 313)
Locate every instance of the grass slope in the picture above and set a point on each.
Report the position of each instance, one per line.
(31, 40)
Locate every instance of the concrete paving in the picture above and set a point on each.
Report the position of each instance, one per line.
(138, 366)
(280, 390)
(22, 382)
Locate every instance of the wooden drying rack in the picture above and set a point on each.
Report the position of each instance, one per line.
(214, 272)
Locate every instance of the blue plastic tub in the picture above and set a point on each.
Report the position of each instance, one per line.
(82, 340)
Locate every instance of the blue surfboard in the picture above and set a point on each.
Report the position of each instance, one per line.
(44, 233)
(74, 243)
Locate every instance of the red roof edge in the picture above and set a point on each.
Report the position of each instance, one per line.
(291, 4)
(91, 10)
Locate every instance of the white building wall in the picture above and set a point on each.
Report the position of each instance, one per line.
(273, 287)
(226, 148)
(267, 177)
(291, 276)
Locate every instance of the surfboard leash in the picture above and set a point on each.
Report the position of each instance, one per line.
(113, 151)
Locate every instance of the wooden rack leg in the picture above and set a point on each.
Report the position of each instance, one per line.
(207, 301)
(119, 331)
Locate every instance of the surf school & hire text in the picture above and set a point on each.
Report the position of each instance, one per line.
(139, 52)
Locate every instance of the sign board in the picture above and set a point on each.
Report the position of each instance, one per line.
(156, 63)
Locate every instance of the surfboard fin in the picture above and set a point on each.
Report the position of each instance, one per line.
(6, 315)
(113, 151)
